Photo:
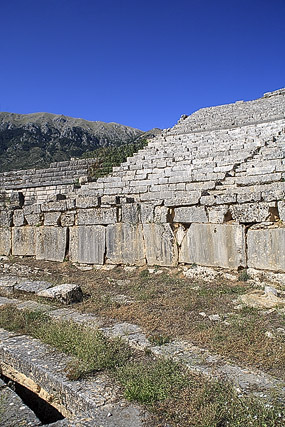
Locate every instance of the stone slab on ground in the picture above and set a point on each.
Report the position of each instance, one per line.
(66, 293)
(40, 368)
(31, 287)
(7, 285)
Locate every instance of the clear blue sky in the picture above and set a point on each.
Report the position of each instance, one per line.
(139, 63)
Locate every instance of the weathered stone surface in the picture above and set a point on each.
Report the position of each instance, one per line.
(214, 245)
(51, 243)
(7, 285)
(124, 244)
(161, 214)
(24, 240)
(217, 214)
(67, 219)
(281, 210)
(266, 249)
(34, 219)
(6, 217)
(18, 218)
(260, 299)
(87, 244)
(5, 240)
(13, 410)
(85, 202)
(251, 212)
(54, 206)
(190, 214)
(52, 218)
(31, 286)
(160, 244)
(97, 216)
(131, 213)
(67, 293)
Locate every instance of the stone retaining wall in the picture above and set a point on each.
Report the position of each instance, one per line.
(213, 196)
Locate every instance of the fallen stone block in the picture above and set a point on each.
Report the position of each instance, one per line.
(67, 293)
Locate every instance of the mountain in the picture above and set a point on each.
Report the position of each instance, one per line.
(36, 140)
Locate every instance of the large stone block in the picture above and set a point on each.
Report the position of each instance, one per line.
(97, 216)
(252, 212)
(24, 241)
(160, 244)
(266, 249)
(5, 240)
(51, 243)
(87, 244)
(217, 245)
(6, 217)
(190, 214)
(125, 244)
(131, 213)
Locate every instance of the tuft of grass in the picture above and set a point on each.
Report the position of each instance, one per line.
(244, 276)
(150, 383)
(159, 339)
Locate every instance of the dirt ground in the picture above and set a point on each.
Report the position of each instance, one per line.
(168, 305)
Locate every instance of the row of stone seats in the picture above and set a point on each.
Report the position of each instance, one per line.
(195, 162)
(58, 173)
(268, 108)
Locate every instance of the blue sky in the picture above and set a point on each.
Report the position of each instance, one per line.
(139, 63)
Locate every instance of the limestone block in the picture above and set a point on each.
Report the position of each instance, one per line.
(34, 219)
(220, 245)
(147, 213)
(161, 214)
(87, 244)
(24, 240)
(97, 216)
(32, 286)
(266, 249)
(131, 213)
(67, 293)
(54, 206)
(32, 209)
(189, 198)
(160, 244)
(67, 219)
(52, 218)
(125, 244)
(51, 243)
(84, 202)
(217, 214)
(251, 212)
(18, 218)
(5, 240)
(190, 214)
(6, 218)
(281, 210)
(110, 200)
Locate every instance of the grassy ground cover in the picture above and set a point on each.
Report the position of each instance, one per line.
(172, 394)
(171, 306)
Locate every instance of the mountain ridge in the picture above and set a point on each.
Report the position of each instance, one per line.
(38, 139)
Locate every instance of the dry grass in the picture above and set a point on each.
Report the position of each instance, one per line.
(168, 306)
